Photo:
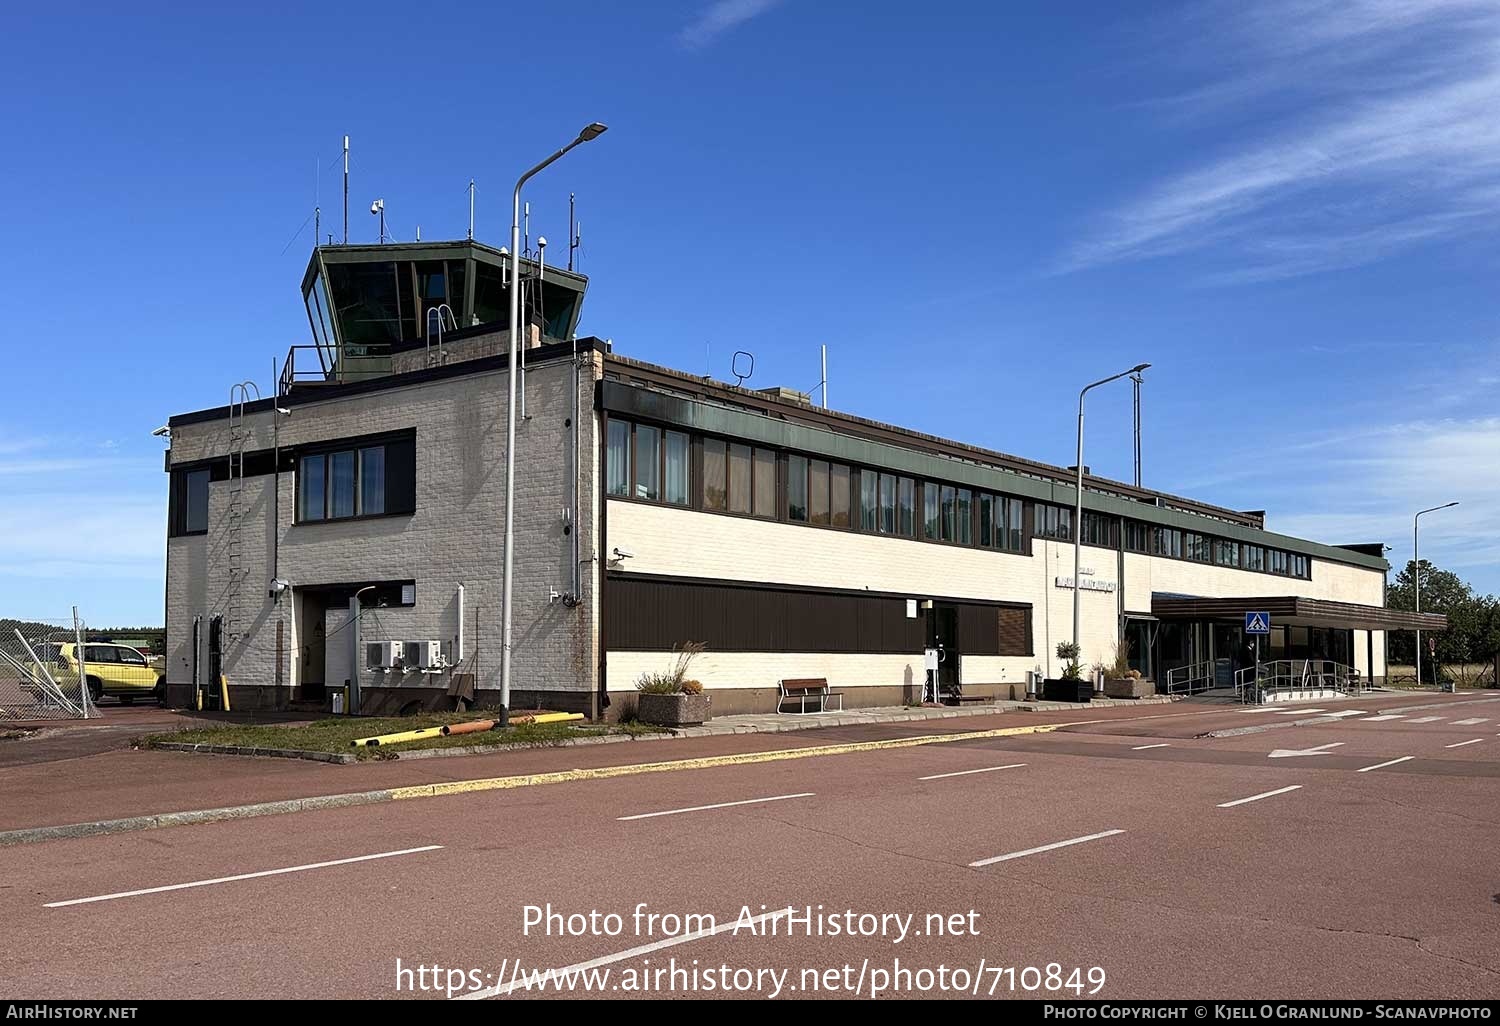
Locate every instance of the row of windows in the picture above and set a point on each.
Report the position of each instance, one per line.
(657, 465)
(341, 485)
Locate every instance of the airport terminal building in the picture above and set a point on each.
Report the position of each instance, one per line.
(347, 531)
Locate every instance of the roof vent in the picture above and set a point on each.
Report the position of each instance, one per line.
(786, 395)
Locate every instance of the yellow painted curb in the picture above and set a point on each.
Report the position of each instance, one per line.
(711, 761)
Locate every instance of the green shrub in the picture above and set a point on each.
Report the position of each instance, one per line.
(1068, 652)
(670, 681)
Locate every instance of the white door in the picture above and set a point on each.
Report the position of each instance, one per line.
(338, 639)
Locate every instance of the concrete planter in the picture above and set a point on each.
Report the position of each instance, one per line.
(674, 710)
(1129, 687)
(1058, 689)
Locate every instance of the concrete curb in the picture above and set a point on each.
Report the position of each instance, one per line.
(32, 835)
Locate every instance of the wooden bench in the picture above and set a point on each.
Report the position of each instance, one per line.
(807, 688)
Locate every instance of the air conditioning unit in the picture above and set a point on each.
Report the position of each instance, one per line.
(383, 655)
(425, 655)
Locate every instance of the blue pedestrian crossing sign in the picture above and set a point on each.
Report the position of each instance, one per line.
(1257, 623)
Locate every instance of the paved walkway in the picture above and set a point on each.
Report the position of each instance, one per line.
(779, 723)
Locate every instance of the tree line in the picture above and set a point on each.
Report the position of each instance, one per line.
(1469, 646)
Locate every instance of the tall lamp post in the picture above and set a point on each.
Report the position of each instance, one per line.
(1078, 500)
(1416, 569)
(590, 132)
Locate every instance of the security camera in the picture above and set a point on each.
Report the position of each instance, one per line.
(623, 553)
(542, 241)
(162, 431)
(283, 411)
(278, 586)
(377, 206)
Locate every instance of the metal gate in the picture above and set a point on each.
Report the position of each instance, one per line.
(44, 670)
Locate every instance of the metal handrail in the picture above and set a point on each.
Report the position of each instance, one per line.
(1253, 682)
(1190, 678)
(452, 323)
(291, 374)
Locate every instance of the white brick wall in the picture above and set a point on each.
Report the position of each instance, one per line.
(453, 538)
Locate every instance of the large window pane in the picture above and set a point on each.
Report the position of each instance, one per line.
(765, 483)
(838, 495)
(1013, 510)
(312, 485)
(341, 484)
(965, 510)
(817, 492)
(930, 528)
(869, 500)
(372, 481)
(739, 478)
(987, 503)
(367, 301)
(617, 458)
(675, 487)
(796, 488)
(950, 501)
(888, 503)
(195, 501)
(907, 497)
(647, 462)
(715, 474)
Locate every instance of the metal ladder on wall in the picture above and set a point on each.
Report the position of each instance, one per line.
(442, 315)
(239, 440)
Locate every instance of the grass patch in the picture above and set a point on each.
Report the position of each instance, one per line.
(336, 733)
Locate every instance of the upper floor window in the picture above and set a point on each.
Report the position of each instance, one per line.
(885, 503)
(1195, 547)
(1000, 522)
(1226, 553)
(1166, 541)
(818, 492)
(1052, 522)
(1280, 562)
(1096, 530)
(367, 480)
(188, 502)
(646, 462)
(738, 478)
(1253, 557)
(1137, 536)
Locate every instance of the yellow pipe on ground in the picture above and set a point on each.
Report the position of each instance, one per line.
(548, 718)
(397, 738)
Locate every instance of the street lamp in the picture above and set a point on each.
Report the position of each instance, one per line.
(1078, 500)
(590, 132)
(1416, 570)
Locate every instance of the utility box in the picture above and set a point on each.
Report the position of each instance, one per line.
(425, 655)
(383, 655)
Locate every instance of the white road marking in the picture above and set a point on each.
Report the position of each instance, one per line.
(1383, 765)
(1292, 753)
(1042, 848)
(243, 876)
(1470, 722)
(1380, 719)
(965, 773)
(1462, 743)
(1142, 748)
(1341, 715)
(1258, 797)
(1297, 712)
(1426, 719)
(523, 977)
(720, 805)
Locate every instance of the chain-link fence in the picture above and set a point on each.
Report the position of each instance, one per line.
(45, 672)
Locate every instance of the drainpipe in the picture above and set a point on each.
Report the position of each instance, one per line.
(577, 475)
(355, 609)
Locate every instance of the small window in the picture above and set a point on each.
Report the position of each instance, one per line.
(100, 654)
(311, 478)
(715, 474)
(191, 514)
(906, 497)
(647, 462)
(1096, 530)
(838, 495)
(796, 489)
(869, 500)
(129, 656)
(817, 492)
(1226, 553)
(888, 502)
(372, 481)
(965, 513)
(1135, 536)
(617, 457)
(949, 500)
(988, 536)
(675, 481)
(739, 478)
(765, 483)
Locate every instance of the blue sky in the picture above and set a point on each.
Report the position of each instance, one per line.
(1288, 207)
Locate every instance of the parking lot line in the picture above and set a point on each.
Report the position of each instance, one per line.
(242, 876)
(1142, 748)
(1296, 712)
(1042, 848)
(965, 773)
(1426, 719)
(1258, 797)
(1471, 722)
(1462, 743)
(1383, 765)
(719, 805)
(1379, 719)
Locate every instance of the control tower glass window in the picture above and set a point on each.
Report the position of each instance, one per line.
(370, 302)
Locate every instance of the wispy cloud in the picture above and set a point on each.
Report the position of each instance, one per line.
(720, 17)
(1382, 135)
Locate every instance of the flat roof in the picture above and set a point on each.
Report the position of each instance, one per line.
(1296, 610)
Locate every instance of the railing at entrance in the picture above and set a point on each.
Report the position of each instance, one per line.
(1191, 679)
(1257, 684)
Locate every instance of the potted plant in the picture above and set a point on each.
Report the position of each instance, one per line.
(1123, 682)
(1071, 686)
(670, 698)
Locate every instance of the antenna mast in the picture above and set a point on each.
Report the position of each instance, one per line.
(572, 232)
(346, 190)
(471, 210)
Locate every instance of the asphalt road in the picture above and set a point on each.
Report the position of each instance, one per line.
(1200, 867)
